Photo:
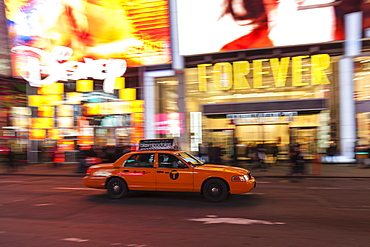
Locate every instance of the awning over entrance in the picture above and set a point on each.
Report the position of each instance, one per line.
(265, 106)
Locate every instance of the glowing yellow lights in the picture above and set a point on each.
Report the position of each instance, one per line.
(108, 108)
(74, 98)
(37, 134)
(42, 123)
(226, 76)
(54, 134)
(34, 100)
(65, 110)
(45, 111)
(44, 100)
(65, 122)
(127, 94)
(137, 106)
(84, 86)
(120, 83)
(55, 88)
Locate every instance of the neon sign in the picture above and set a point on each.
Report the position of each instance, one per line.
(57, 68)
(227, 76)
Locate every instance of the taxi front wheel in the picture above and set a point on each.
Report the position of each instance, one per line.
(117, 188)
(215, 190)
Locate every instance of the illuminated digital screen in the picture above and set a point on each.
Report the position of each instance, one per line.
(169, 123)
(135, 31)
(209, 26)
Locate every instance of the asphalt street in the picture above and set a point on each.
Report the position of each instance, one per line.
(60, 211)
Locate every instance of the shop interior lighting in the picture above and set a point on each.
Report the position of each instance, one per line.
(253, 95)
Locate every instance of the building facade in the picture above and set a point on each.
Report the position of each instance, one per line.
(278, 77)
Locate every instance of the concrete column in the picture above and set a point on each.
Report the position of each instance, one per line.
(150, 99)
(347, 109)
(178, 66)
(352, 48)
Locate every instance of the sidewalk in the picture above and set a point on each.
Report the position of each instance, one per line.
(313, 170)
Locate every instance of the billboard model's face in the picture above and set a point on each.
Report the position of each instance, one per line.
(136, 31)
(208, 26)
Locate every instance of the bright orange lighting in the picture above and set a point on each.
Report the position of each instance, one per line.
(42, 123)
(37, 134)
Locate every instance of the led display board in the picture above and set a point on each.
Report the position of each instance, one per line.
(209, 26)
(136, 31)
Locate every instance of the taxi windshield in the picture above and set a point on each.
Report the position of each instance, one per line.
(191, 159)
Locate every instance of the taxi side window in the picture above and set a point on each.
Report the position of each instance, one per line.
(170, 161)
(140, 160)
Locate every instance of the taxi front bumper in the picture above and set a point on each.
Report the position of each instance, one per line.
(243, 187)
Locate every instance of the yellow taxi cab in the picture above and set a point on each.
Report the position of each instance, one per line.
(158, 165)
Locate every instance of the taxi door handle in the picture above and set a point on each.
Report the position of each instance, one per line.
(160, 171)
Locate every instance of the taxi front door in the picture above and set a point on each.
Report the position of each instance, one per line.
(172, 174)
(139, 172)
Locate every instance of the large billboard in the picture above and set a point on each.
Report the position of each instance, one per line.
(136, 31)
(209, 26)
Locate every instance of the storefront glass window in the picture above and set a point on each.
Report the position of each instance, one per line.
(290, 78)
(361, 80)
(361, 83)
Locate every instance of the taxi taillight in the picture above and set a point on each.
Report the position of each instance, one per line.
(88, 171)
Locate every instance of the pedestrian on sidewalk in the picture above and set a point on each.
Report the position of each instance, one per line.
(11, 161)
(261, 156)
(297, 162)
(82, 154)
(331, 151)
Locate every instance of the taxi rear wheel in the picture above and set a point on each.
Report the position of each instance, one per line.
(117, 188)
(215, 190)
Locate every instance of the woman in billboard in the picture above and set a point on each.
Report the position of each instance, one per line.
(93, 29)
(288, 22)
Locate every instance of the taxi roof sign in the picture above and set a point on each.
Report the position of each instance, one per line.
(157, 144)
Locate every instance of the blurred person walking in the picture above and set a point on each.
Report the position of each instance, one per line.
(11, 161)
(331, 151)
(82, 154)
(297, 162)
(214, 153)
(261, 156)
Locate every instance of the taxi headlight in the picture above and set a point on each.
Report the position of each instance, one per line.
(239, 178)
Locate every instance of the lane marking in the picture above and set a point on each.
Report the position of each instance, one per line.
(213, 219)
(10, 181)
(43, 204)
(66, 188)
(78, 240)
(325, 188)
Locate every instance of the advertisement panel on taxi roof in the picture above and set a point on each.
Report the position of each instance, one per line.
(136, 31)
(208, 26)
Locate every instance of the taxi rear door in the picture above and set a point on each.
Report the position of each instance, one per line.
(172, 174)
(139, 172)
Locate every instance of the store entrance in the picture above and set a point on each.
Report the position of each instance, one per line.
(222, 138)
(275, 137)
(306, 138)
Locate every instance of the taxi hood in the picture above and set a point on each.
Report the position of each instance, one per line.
(103, 165)
(224, 168)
